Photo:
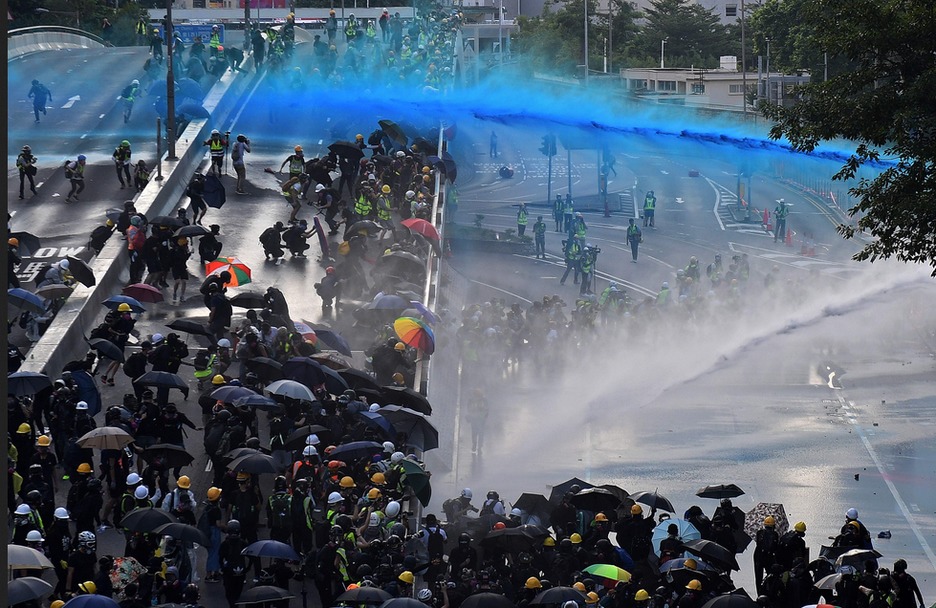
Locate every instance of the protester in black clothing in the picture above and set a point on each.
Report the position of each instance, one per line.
(209, 247)
(219, 319)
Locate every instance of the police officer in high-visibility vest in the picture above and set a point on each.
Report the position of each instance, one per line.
(780, 217)
(522, 218)
(558, 207)
(217, 144)
(634, 237)
(363, 207)
(578, 227)
(539, 237)
(588, 268)
(214, 43)
(648, 209)
(351, 28)
(573, 258)
(296, 162)
(383, 213)
(568, 212)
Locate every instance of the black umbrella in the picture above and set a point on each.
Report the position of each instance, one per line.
(449, 166)
(347, 149)
(190, 327)
(358, 379)
(681, 577)
(107, 349)
(24, 384)
(258, 402)
(334, 383)
(355, 450)
(364, 595)
(304, 370)
(653, 500)
(28, 243)
(191, 230)
(558, 595)
(487, 600)
(27, 588)
(719, 491)
(255, 464)
(403, 602)
(248, 299)
(262, 594)
(393, 131)
(379, 423)
(333, 340)
(515, 540)
(419, 431)
(238, 452)
(318, 172)
(596, 499)
(536, 505)
(213, 192)
(266, 369)
(230, 394)
(713, 553)
(403, 260)
(166, 220)
(162, 379)
(365, 225)
(558, 491)
(170, 454)
(381, 159)
(297, 439)
(183, 532)
(407, 397)
(146, 519)
(735, 599)
(425, 146)
(79, 269)
(271, 548)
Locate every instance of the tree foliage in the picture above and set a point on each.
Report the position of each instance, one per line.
(884, 104)
(690, 30)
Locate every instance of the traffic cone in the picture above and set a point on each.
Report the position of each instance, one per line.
(767, 225)
(789, 237)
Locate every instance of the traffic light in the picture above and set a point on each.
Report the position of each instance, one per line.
(548, 148)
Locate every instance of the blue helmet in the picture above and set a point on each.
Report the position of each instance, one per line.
(82, 157)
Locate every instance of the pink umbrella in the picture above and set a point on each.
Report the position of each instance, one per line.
(143, 293)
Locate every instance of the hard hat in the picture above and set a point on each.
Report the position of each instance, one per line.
(57, 604)
(330, 269)
(218, 379)
(533, 583)
(13, 242)
(141, 493)
(410, 194)
(665, 285)
(601, 517)
(591, 598)
(399, 346)
(801, 526)
(423, 595)
(576, 538)
(690, 564)
(334, 498)
(63, 264)
(84, 467)
(694, 585)
(157, 338)
(636, 510)
(385, 189)
(184, 482)
(298, 148)
(467, 493)
(233, 527)
(407, 577)
(43, 441)
(570, 604)
(133, 479)
(123, 307)
(309, 450)
(426, 170)
(313, 439)
(769, 521)
(82, 157)
(400, 154)
(387, 445)
(396, 457)
(81, 406)
(61, 513)
(26, 148)
(125, 144)
(224, 343)
(854, 524)
(334, 464)
(641, 595)
(852, 513)
(215, 132)
(515, 512)
(393, 509)
(549, 541)
(88, 587)
(358, 136)
(23, 509)
(347, 482)
(373, 494)
(213, 493)
(23, 428)
(135, 82)
(579, 585)
(243, 476)
(378, 479)
(34, 536)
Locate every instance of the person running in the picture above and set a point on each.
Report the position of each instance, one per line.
(195, 191)
(292, 190)
(217, 144)
(296, 162)
(156, 44)
(128, 95)
(121, 158)
(26, 164)
(40, 94)
(179, 255)
(240, 147)
(74, 171)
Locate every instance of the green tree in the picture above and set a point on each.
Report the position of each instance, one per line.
(690, 30)
(884, 105)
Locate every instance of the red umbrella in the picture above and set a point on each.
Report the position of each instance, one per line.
(143, 293)
(421, 226)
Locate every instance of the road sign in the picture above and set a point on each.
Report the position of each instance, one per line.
(189, 31)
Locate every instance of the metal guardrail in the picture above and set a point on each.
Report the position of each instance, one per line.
(25, 40)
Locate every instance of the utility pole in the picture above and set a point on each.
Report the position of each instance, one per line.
(585, 3)
(170, 88)
(744, 65)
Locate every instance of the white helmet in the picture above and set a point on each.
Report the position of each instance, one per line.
(82, 406)
(334, 498)
(310, 451)
(424, 595)
(467, 493)
(34, 536)
(61, 513)
(141, 493)
(852, 513)
(133, 479)
(515, 512)
(224, 343)
(374, 520)
(410, 194)
(313, 440)
(396, 458)
(23, 509)
(388, 447)
(63, 264)
(215, 132)
(393, 509)
(135, 82)
(373, 407)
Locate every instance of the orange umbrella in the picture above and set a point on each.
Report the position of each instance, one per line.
(416, 333)
(240, 273)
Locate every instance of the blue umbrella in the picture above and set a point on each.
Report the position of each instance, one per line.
(389, 302)
(333, 340)
(190, 88)
(334, 383)
(230, 394)
(304, 370)
(159, 87)
(356, 449)
(271, 548)
(375, 420)
(686, 532)
(161, 106)
(25, 300)
(192, 109)
(427, 314)
(113, 302)
(27, 383)
(680, 562)
(92, 601)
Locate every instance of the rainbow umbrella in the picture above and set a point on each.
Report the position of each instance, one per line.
(609, 571)
(240, 274)
(416, 333)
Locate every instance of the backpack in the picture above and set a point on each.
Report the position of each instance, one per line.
(488, 507)
(201, 360)
(224, 445)
(127, 92)
(279, 505)
(69, 169)
(236, 151)
(435, 543)
(766, 542)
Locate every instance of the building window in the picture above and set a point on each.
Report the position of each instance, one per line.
(698, 89)
(666, 85)
(736, 89)
(731, 10)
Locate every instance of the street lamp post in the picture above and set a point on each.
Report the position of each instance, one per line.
(662, 48)
(767, 85)
(743, 65)
(585, 4)
(170, 87)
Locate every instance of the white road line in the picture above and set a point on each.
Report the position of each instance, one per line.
(244, 106)
(83, 136)
(100, 116)
(509, 293)
(717, 201)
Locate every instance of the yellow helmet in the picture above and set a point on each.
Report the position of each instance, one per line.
(636, 510)
(580, 586)
(43, 441)
(801, 526)
(184, 482)
(24, 428)
(690, 564)
(298, 148)
(243, 476)
(576, 538)
(373, 494)
(123, 307)
(109, 224)
(88, 587)
(694, 585)
(533, 583)
(426, 169)
(407, 577)
(214, 493)
(378, 479)
(84, 467)
(347, 482)
(57, 604)
(385, 189)
(549, 541)
(641, 595)
(769, 521)
(218, 379)
(591, 598)
(601, 517)
(359, 137)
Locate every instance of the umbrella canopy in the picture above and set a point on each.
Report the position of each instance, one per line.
(24, 384)
(271, 548)
(113, 214)
(146, 519)
(425, 146)
(113, 302)
(125, 570)
(332, 361)
(297, 439)
(27, 588)
(680, 562)
(306, 331)
(359, 379)
(376, 421)
(407, 397)
(609, 571)
(107, 349)
(736, 599)
(79, 269)
(596, 499)
(416, 477)
(535, 505)
(560, 490)
(402, 602)
(355, 450)
(143, 293)
(558, 595)
(334, 383)
(416, 333)
(192, 109)
(262, 594)
(106, 438)
(267, 369)
(419, 431)
(166, 220)
(713, 553)
(653, 500)
(25, 300)
(364, 225)
(192, 230)
(754, 519)
(305, 370)
(28, 242)
(515, 540)
(249, 299)
(92, 601)
(26, 558)
(258, 402)
(162, 379)
(424, 311)
(487, 600)
(183, 532)
(365, 595)
(170, 454)
(333, 340)
(828, 583)
(347, 149)
(686, 532)
(255, 464)
(54, 291)
(856, 558)
(405, 262)
(240, 273)
(213, 192)
(393, 131)
(719, 491)
(190, 327)
(230, 394)
(190, 88)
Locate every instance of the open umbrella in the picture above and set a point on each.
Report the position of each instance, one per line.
(113, 302)
(407, 397)
(240, 273)
(734, 599)
(26, 558)
(417, 478)
(21, 299)
(355, 450)
(680, 562)
(297, 439)
(54, 291)
(358, 379)
(334, 383)
(28, 243)
(856, 558)
(290, 389)
(419, 431)
(686, 532)
(719, 491)
(558, 595)
(183, 532)
(306, 331)
(249, 299)
(92, 601)
(255, 464)
(829, 582)
(332, 361)
(162, 379)
(258, 402)
(596, 499)
(143, 293)
(213, 192)
(146, 519)
(267, 369)
(263, 594)
(403, 261)
(487, 600)
(515, 540)
(448, 166)
(653, 500)
(305, 370)
(365, 595)
(167, 221)
(333, 340)
(378, 422)
(192, 230)
(364, 225)
(106, 438)
(126, 570)
(347, 150)
(192, 109)
(609, 571)
(190, 327)
(189, 88)
(170, 454)
(393, 131)
(416, 333)
(535, 505)
(424, 311)
(754, 519)
(560, 490)
(403, 602)
(713, 553)
(79, 269)
(27, 588)
(230, 394)
(271, 548)
(107, 349)
(24, 384)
